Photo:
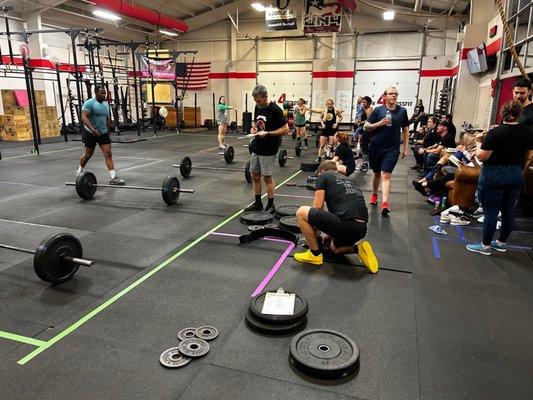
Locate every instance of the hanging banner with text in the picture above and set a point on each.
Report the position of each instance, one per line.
(322, 16)
(279, 20)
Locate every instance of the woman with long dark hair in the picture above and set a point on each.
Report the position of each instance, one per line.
(505, 151)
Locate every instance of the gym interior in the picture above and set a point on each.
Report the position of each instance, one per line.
(150, 270)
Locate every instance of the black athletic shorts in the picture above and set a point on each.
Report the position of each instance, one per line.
(344, 232)
(327, 132)
(90, 141)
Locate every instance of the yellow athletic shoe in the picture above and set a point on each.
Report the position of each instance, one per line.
(367, 256)
(309, 258)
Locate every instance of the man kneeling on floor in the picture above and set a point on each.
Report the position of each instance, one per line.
(344, 223)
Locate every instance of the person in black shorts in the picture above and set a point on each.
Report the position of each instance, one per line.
(386, 125)
(362, 136)
(299, 122)
(343, 155)
(329, 121)
(95, 117)
(344, 224)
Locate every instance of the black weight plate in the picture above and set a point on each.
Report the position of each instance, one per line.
(309, 166)
(252, 228)
(272, 329)
(247, 173)
(282, 157)
(186, 167)
(286, 211)
(324, 354)
(229, 153)
(170, 195)
(85, 185)
(300, 311)
(194, 347)
(172, 358)
(298, 148)
(256, 218)
(187, 333)
(47, 262)
(290, 223)
(207, 332)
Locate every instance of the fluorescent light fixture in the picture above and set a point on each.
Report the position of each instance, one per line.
(258, 7)
(168, 33)
(388, 15)
(106, 15)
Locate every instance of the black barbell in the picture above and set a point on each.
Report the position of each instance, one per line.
(185, 167)
(86, 186)
(57, 257)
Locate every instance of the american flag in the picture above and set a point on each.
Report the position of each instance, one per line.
(196, 78)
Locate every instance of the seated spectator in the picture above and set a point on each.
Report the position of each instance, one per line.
(429, 139)
(464, 154)
(446, 140)
(448, 118)
(343, 154)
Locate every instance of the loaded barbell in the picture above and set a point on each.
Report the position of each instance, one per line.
(185, 167)
(57, 257)
(86, 186)
(228, 154)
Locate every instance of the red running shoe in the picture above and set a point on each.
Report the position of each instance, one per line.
(385, 208)
(373, 199)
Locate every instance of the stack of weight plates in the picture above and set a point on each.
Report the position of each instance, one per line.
(324, 354)
(271, 324)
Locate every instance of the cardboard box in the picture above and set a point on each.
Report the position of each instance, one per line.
(8, 99)
(40, 98)
(16, 110)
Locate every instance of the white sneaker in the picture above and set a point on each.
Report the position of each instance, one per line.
(482, 218)
(459, 221)
(445, 218)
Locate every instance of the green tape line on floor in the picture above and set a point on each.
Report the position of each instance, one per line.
(22, 339)
(103, 306)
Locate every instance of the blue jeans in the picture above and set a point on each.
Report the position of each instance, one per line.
(430, 160)
(498, 189)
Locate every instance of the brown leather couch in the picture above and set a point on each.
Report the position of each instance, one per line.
(526, 195)
(462, 189)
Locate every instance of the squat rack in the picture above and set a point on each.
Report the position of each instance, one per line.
(28, 69)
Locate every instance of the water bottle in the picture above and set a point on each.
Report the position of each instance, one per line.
(443, 203)
(388, 115)
(437, 204)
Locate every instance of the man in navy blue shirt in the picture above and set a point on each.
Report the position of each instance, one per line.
(386, 125)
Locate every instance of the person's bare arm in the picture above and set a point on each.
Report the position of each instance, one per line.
(405, 140)
(318, 201)
(87, 122)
